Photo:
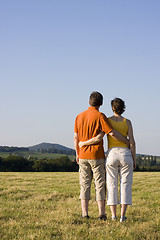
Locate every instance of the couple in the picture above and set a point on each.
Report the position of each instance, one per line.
(89, 130)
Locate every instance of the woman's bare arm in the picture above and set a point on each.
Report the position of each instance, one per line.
(132, 142)
(93, 140)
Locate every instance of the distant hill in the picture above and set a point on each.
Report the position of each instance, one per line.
(51, 147)
(47, 146)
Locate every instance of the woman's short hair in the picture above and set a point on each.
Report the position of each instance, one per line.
(118, 105)
(96, 99)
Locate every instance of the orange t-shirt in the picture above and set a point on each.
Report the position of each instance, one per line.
(87, 125)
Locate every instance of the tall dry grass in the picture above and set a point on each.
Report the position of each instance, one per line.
(46, 206)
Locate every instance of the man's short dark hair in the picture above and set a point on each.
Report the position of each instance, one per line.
(118, 105)
(96, 99)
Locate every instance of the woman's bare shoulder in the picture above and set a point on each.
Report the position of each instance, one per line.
(129, 123)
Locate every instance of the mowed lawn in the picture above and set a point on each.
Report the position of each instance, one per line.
(46, 206)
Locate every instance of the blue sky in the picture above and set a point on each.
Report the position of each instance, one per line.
(55, 53)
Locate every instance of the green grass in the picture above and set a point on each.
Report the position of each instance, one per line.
(45, 206)
(37, 155)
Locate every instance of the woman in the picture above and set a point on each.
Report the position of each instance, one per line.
(120, 160)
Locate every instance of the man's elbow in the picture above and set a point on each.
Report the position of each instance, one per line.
(75, 136)
(99, 138)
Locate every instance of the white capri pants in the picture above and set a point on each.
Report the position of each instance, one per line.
(119, 162)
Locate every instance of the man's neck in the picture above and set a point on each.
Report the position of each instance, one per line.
(96, 107)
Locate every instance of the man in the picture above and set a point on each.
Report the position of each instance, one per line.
(91, 158)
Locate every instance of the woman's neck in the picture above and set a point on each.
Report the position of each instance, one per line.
(117, 117)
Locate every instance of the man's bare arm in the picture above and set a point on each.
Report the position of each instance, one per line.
(76, 141)
(115, 134)
(118, 136)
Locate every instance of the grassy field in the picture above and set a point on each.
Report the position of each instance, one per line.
(46, 206)
(37, 155)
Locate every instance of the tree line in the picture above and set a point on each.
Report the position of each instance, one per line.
(55, 150)
(13, 149)
(15, 163)
(41, 150)
(20, 164)
(147, 163)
